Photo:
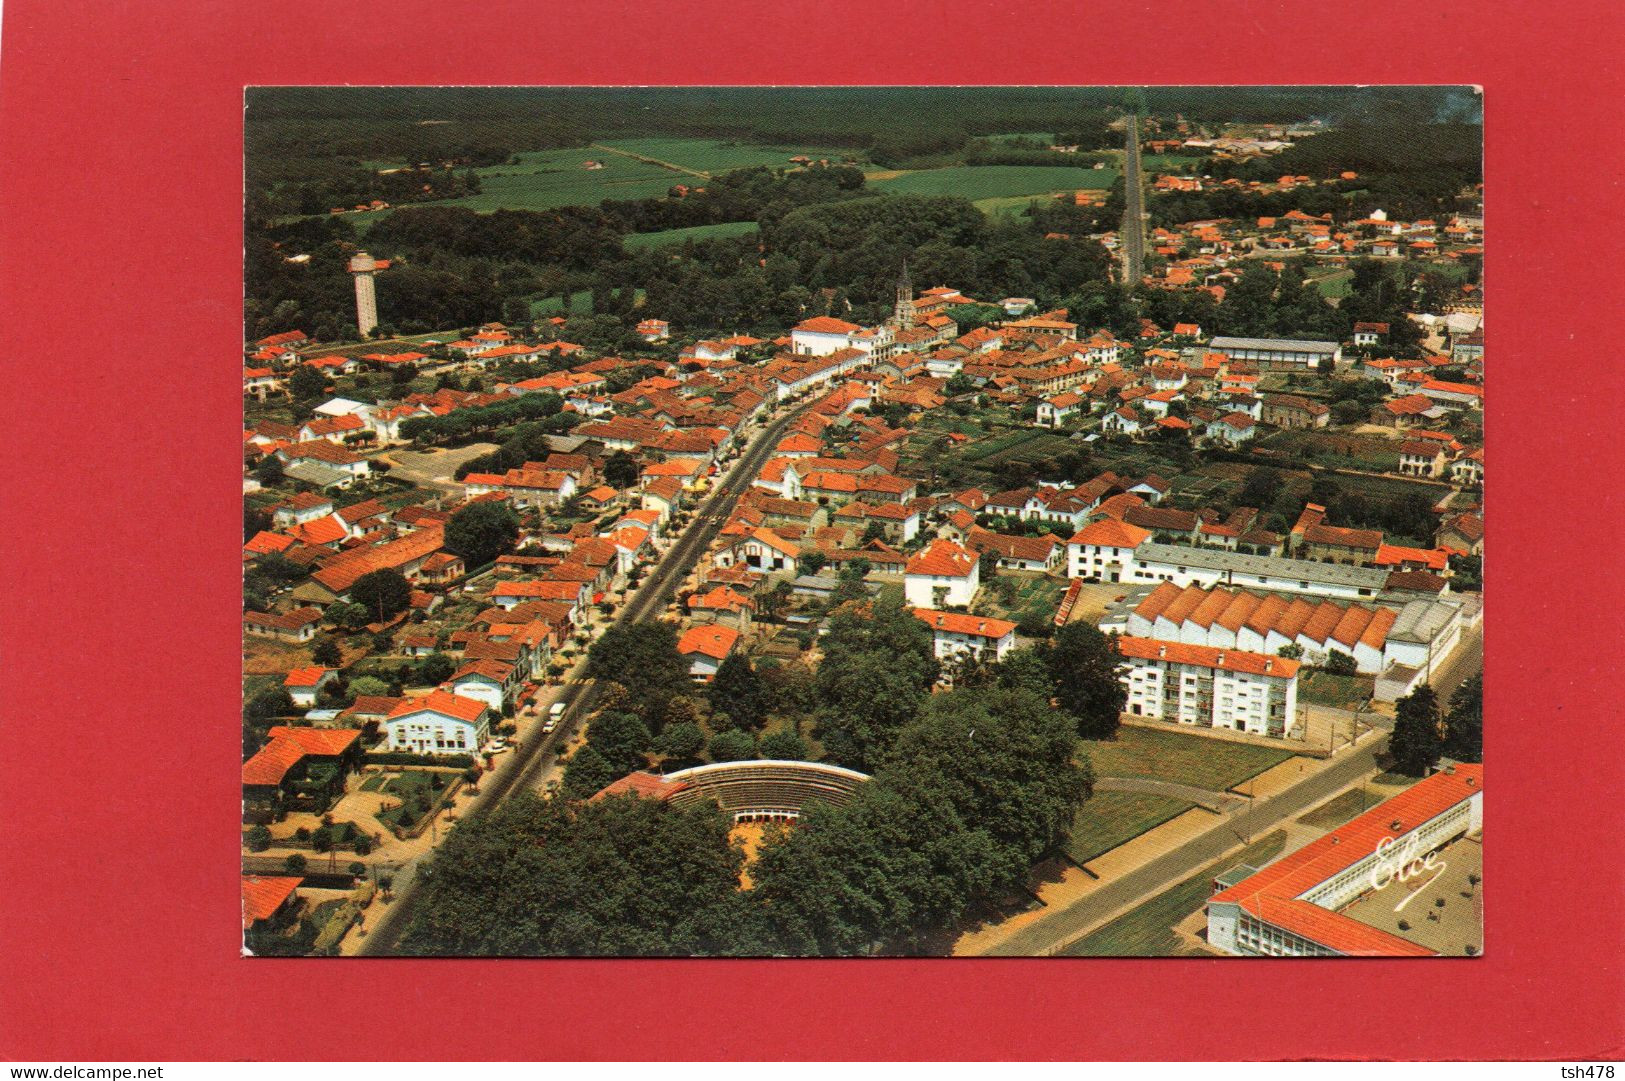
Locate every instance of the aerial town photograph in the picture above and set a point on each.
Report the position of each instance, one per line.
(863, 521)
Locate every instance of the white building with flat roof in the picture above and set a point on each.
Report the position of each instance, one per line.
(1297, 906)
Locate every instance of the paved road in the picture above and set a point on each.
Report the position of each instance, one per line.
(535, 756)
(1133, 207)
(1467, 660)
(1055, 932)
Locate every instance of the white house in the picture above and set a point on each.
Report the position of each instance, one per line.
(1055, 411)
(705, 648)
(1103, 549)
(822, 335)
(492, 682)
(1232, 428)
(760, 549)
(304, 684)
(957, 634)
(440, 723)
(942, 574)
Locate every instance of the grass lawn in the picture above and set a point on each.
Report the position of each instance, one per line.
(1147, 931)
(1327, 689)
(1198, 761)
(996, 181)
(1108, 819)
(696, 232)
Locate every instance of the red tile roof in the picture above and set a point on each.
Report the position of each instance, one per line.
(714, 642)
(942, 558)
(1228, 660)
(272, 762)
(1110, 533)
(960, 623)
(325, 742)
(452, 705)
(305, 677)
(263, 896)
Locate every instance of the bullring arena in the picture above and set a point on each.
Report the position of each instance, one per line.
(755, 790)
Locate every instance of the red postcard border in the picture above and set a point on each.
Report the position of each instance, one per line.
(119, 249)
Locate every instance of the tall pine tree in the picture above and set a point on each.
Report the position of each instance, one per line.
(1416, 743)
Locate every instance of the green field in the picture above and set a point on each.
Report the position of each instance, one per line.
(717, 156)
(1213, 764)
(697, 232)
(1147, 931)
(976, 182)
(1109, 819)
(1335, 285)
(543, 179)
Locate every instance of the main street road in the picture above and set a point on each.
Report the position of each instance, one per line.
(536, 756)
(1133, 207)
(1056, 931)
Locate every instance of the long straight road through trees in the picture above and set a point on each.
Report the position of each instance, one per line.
(1133, 239)
(534, 757)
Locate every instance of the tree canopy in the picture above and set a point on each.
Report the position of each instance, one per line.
(877, 671)
(1083, 666)
(480, 532)
(383, 593)
(643, 658)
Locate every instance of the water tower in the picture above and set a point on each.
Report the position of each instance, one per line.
(364, 266)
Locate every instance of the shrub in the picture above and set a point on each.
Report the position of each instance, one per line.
(295, 864)
(259, 839)
(362, 845)
(357, 869)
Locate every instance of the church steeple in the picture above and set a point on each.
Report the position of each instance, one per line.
(903, 313)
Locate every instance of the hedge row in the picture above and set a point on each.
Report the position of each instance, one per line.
(407, 758)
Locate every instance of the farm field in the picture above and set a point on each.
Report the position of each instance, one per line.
(718, 156)
(1215, 765)
(696, 232)
(543, 179)
(1147, 931)
(1108, 819)
(976, 182)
